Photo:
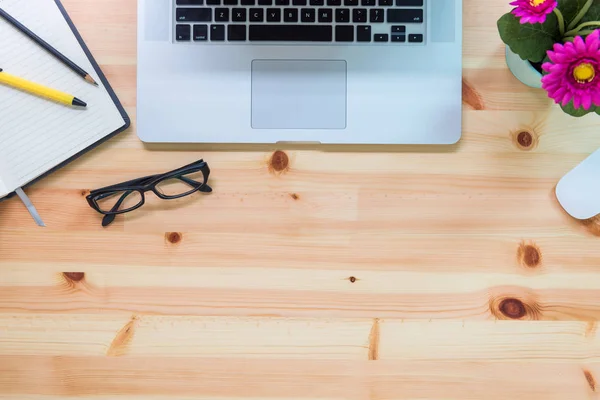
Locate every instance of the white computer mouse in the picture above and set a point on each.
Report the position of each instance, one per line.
(578, 192)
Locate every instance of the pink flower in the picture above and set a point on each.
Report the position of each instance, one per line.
(574, 72)
(533, 11)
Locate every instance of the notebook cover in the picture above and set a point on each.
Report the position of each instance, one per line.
(108, 88)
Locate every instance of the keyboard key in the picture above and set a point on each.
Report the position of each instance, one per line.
(333, 3)
(367, 3)
(291, 33)
(342, 15)
(238, 14)
(307, 15)
(217, 32)
(398, 29)
(273, 14)
(257, 14)
(190, 2)
(299, 2)
(221, 14)
(405, 15)
(363, 33)
(265, 2)
(325, 15)
(230, 2)
(213, 2)
(290, 15)
(247, 2)
(381, 37)
(183, 33)
(376, 14)
(350, 3)
(359, 15)
(399, 38)
(415, 38)
(282, 2)
(200, 32)
(317, 2)
(409, 3)
(385, 3)
(344, 33)
(194, 14)
(236, 32)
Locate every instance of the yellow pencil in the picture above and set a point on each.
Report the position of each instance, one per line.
(39, 90)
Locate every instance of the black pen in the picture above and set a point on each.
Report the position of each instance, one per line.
(78, 70)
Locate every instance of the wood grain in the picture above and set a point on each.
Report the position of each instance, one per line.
(333, 272)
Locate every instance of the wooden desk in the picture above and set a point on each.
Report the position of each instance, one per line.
(336, 274)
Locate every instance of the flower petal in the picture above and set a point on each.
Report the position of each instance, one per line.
(579, 44)
(596, 98)
(586, 101)
(593, 42)
(569, 48)
(547, 66)
(560, 93)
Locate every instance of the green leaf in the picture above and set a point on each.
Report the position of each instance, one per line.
(570, 8)
(529, 41)
(593, 13)
(580, 112)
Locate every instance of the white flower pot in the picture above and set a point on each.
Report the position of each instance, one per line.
(523, 70)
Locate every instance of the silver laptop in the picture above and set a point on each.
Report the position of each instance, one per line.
(328, 71)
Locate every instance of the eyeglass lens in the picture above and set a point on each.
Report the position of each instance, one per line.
(121, 200)
(181, 185)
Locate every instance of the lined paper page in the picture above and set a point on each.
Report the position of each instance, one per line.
(6, 178)
(37, 134)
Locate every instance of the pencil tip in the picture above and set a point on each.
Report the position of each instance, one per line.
(80, 103)
(91, 80)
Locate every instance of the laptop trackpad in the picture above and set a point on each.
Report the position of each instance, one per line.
(298, 94)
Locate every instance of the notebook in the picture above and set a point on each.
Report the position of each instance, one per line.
(38, 136)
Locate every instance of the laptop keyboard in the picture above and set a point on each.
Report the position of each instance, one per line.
(393, 22)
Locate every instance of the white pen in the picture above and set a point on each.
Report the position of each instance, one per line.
(30, 207)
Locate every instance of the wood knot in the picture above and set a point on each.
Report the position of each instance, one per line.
(374, 341)
(294, 196)
(592, 225)
(471, 97)
(590, 379)
(173, 237)
(525, 140)
(590, 329)
(84, 192)
(122, 339)
(73, 276)
(279, 162)
(529, 255)
(521, 307)
(352, 279)
(512, 308)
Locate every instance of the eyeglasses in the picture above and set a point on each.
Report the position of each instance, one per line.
(128, 196)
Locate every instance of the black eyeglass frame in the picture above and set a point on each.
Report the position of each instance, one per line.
(149, 184)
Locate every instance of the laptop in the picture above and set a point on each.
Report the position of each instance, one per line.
(317, 71)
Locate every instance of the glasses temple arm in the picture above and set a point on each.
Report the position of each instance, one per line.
(203, 188)
(109, 218)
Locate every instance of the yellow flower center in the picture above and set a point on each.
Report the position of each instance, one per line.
(584, 73)
(536, 3)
